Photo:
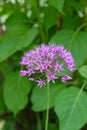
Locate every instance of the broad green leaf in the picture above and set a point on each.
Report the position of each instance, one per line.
(73, 41)
(28, 37)
(71, 108)
(16, 91)
(83, 71)
(58, 4)
(39, 98)
(53, 18)
(71, 22)
(17, 36)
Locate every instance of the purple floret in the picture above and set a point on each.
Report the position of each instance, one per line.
(23, 73)
(31, 79)
(65, 78)
(40, 82)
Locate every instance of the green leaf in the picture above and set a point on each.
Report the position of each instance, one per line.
(16, 91)
(71, 22)
(73, 41)
(17, 36)
(71, 108)
(2, 104)
(6, 8)
(83, 71)
(53, 18)
(52, 126)
(9, 124)
(28, 37)
(58, 4)
(39, 98)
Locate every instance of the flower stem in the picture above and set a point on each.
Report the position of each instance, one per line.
(41, 28)
(47, 111)
(39, 123)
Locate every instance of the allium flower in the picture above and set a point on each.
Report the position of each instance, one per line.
(48, 61)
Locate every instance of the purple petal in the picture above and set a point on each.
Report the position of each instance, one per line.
(23, 73)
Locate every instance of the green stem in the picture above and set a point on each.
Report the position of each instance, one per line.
(79, 28)
(47, 112)
(39, 124)
(77, 31)
(42, 32)
(74, 35)
(83, 86)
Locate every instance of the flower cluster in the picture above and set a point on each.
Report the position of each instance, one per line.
(47, 61)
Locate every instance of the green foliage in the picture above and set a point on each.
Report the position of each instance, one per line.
(9, 124)
(39, 97)
(23, 26)
(53, 18)
(16, 91)
(83, 71)
(2, 104)
(71, 106)
(17, 36)
(13, 39)
(52, 127)
(58, 4)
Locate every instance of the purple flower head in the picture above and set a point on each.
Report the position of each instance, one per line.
(48, 61)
